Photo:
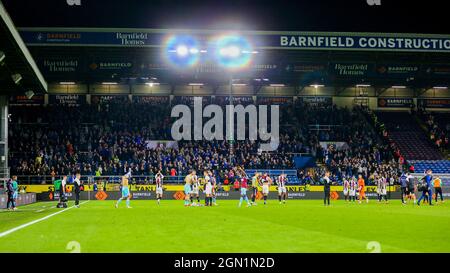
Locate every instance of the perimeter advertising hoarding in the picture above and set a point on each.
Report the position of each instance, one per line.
(434, 103)
(260, 39)
(22, 199)
(24, 100)
(72, 100)
(179, 195)
(395, 102)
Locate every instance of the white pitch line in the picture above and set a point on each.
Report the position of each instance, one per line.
(36, 221)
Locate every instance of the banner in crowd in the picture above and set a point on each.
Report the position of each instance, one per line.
(397, 70)
(161, 144)
(317, 100)
(24, 100)
(395, 102)
(261, 39)
(72, 100)
(153, 100)
(100, 99)
(434, 103)
(337, 145)
(274, 100)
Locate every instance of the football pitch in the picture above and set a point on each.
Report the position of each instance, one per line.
(298, 226)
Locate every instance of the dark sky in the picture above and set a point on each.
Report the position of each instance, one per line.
(413, 16)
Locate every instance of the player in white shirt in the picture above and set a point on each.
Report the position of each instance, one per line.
(382, 184)
(282, 193)
(195, 191)
(346, 189)
(214, 187)
(208, 189)
(266, 182)
(353, 185)
(159, 186)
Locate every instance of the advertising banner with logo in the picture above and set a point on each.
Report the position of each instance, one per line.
(72, 100)
(189, 100)
(434, 103)
(225, 100)
(261, 39)
(153, 100)
(437, 71)
(108, 66)
(397, 70)
(220, 195)
(100, 99)
(22, 199)
(316, 100)
(351, 70)
(24, 100)
(275, 100)
(60, 65)
(395, 102)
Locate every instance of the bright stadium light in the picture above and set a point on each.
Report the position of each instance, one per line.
(195, 84)
(233, 51)
(440, 87)
(277, 85)
(109, 83)
(67, 83)
(317, 85)
(151, 84)
(182, 50)
(193, 51)
(398, 87)
(363, 85)
(239, 84)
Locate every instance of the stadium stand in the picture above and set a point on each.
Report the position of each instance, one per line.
(404, 131)
(111, 137)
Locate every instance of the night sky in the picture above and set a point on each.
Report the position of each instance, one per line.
(413, 16)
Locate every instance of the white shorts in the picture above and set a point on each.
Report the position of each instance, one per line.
(345, 191)
(352, 192)
(265, 189)
(159, 191)
(281, 190)
(383, 192)
(195, 191)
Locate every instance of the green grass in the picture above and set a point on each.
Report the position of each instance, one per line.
(298, 226)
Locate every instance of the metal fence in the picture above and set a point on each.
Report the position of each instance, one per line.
(135, 179)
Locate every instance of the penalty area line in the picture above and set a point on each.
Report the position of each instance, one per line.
(36, 221)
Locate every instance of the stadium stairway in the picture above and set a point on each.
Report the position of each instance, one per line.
(408, 136)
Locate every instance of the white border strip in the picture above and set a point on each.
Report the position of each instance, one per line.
(35, 221)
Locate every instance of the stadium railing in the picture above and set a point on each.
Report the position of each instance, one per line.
(143, 179)
(445, 177)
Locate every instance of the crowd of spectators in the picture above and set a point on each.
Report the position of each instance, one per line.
(109, 138)
(438, 128)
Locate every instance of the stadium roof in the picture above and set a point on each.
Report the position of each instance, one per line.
(17, 60)
(92, 55)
